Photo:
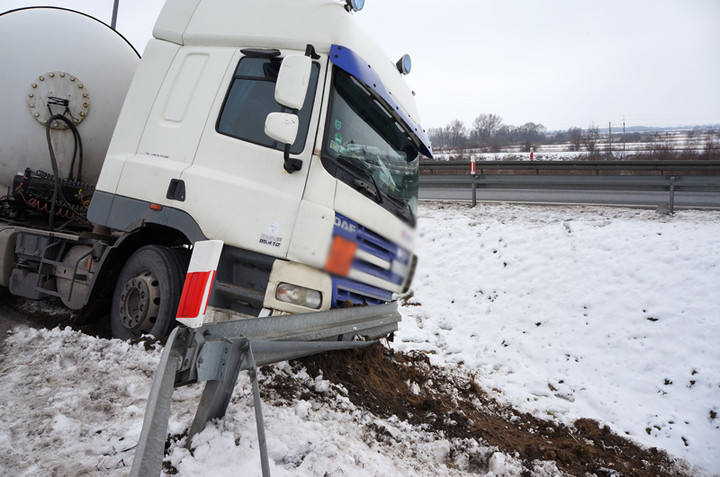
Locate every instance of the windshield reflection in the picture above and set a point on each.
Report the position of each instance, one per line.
(368, 149)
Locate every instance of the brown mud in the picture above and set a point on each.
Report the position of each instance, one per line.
(453, 405)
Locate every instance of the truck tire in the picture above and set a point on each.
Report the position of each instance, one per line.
(148, 291)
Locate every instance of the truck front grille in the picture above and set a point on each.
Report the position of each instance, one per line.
(379, 268)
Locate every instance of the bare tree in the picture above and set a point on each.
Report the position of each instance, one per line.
(485, 127)
(592, 135)
(529, 134)
(437, 138)
(712, 149)
(456, 133)
(576, 138)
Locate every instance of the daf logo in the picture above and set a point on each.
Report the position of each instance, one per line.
(345, 225)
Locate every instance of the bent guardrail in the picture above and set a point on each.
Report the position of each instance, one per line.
(216, 352)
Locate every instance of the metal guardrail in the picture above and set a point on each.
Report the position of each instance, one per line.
(671, 184)
(216, 352)
(595, 167)
(670, 176)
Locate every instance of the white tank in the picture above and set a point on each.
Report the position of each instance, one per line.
(57, 61)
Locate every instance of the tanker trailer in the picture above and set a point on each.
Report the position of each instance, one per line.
(65, 76)
(59, 62)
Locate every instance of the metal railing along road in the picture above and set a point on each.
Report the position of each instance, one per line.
(595, 167)
(669, 176)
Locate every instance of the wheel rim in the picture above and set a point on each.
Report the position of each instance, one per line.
(140, 303)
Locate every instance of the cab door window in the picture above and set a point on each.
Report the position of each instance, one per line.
(251, 98)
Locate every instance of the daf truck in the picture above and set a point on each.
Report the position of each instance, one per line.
(277, 127)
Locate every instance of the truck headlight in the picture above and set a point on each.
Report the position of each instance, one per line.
(298, 295)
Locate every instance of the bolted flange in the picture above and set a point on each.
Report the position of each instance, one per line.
(58, 92)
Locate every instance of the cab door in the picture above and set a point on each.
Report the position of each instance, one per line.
(248, 199)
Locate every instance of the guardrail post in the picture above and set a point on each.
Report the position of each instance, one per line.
(671, 204)
(151, 446)
(474, 190)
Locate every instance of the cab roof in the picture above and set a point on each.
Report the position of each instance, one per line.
(289, 25)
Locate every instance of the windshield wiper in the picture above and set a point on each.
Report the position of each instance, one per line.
(365, 184)
(402, 208)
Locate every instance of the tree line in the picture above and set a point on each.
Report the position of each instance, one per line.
(489, 132)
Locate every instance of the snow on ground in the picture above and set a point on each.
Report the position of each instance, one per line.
(518, 155)
(605, 313)
(71, 404)
(612, 314)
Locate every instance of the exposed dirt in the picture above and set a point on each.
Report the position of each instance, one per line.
(453, 405)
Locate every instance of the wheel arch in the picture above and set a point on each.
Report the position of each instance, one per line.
(140, 224)
(115, 256)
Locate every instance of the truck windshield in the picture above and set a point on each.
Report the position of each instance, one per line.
(368, 149)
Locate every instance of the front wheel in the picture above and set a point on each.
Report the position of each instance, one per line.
(148, 291)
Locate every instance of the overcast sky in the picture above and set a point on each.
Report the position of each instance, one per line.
(560, 63)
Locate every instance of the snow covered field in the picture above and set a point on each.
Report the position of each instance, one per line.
(612, 314)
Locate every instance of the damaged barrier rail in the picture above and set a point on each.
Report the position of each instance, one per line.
(216, 352)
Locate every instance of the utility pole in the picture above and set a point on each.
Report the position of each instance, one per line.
(623, 139)
(610, 137)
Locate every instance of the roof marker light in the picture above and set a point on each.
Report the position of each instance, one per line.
(404, 64)
(354, 5)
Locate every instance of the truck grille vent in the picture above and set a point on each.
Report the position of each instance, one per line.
(387, 264)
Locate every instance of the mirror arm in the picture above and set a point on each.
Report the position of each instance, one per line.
(291, 164)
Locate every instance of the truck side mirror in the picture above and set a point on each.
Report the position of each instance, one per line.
(292, 82)
(282, 127)
(290, 91)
